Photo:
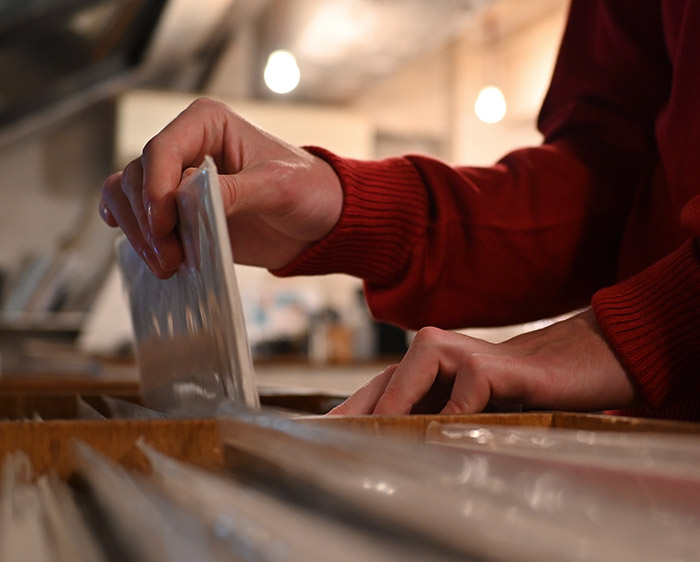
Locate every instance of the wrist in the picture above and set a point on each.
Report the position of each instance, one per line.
(570, 365)
(379, 199)
(328, 184)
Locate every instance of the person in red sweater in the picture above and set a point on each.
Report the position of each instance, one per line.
(606, 213)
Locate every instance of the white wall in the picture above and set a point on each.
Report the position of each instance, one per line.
(434, 96)
(415, 102)
(50, 183)
(521, 65)
(143, 113)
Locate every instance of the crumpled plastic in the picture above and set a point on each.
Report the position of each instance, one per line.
(190, 335)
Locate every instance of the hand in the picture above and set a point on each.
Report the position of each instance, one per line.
(278, 199)
(565, 366)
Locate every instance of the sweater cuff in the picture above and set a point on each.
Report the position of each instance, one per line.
(384, 210)
(652, 320)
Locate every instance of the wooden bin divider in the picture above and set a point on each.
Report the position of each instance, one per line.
(48, 443)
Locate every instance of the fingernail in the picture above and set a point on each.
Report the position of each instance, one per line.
(150, 212)
(150, 260)
(157, 250)
(164, 253)
(104, 211)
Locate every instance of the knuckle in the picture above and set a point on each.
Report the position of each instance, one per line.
(204, 103)
(473, 363)
(428, 335)
(458, 405)
(481, 364)
(152, 147)
(208, 105)
(110, 187)
(132, 172)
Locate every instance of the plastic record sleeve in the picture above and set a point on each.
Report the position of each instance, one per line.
(190, 335)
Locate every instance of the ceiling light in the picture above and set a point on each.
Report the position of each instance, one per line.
(281, 73)
(490, 106)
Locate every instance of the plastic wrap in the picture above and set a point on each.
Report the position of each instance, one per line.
(260, 526)
(86, 411)
(191, 341)
(142, 523)
(125, 410)
(639, 490)
(22, 531)
(40, 521)
(663, 455)
(73, 540)
(482, 504)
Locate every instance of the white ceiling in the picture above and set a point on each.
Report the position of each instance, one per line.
(342, 46)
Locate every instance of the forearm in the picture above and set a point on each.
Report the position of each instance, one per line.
(452, 247)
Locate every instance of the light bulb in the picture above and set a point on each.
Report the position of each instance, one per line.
(281, 72)
(490, 105)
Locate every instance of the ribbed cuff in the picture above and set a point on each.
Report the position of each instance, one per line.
(652, 320)
(384, 211)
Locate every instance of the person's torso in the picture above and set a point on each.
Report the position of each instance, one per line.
(671, 180)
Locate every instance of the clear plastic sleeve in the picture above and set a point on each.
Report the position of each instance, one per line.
(261, 526)
(142, 523)
(663, 455)
(86, 411)
(125, 410)
(191, 341)
(482, 504)
(40, 521)
(23, 534)
(73, 540)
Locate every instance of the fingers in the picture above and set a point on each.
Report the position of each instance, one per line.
(103, 208)
(118, 210)
(141, 199)
(199, 130)
(416, 373)
(161, 171)
(131, 181)
(295, 197)
(364, 400)
(470, 393)
(438, 365)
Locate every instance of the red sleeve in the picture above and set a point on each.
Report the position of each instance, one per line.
(538, 233)
(652, 321)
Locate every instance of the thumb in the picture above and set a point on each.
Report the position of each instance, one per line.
(230, 193)
(260, 189)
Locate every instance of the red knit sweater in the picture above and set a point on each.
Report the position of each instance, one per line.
(606, 211)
